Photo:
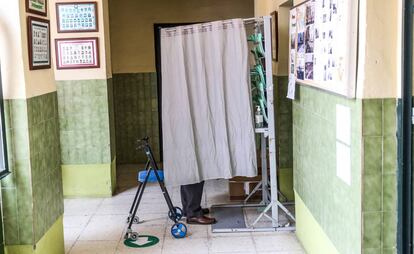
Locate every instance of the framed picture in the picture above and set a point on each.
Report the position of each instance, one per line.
(77, 17)
(38, 7)
(38, 43)
(77, 53)
(275, 37)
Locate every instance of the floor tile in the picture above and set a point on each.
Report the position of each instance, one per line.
(98, 225)
(94, 247)
(279, 242)
(72, 234)
(114, 209)
(119, 200)
(76, 221)
(104, 227)
(281, 252)
(68, 245)
(82, 206)
(153, 218)
(232, 244)
(196, 231)
(154, 230)
(188, 245)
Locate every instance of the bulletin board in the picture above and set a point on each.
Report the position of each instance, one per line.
(323, 45)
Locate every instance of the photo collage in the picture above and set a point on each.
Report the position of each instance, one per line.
(292, 32)
(317, 49)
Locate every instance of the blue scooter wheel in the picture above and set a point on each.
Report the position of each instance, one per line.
(179, 230)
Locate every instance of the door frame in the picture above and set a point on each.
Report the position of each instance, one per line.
(404, 109)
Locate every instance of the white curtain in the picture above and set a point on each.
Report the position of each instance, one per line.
(207, 117)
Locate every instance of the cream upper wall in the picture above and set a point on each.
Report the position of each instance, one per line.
(18, 81)
(104, 71)
(11, 54)
(266, 7)
(381, 61)
(132, 32)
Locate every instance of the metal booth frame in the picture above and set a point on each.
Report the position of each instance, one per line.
(269, 183)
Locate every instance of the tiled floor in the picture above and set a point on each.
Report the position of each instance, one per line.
(98, 225)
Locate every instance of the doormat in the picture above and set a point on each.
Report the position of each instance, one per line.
(151, 241)
(228, 219)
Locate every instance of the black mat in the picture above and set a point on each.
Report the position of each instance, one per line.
(228, 218)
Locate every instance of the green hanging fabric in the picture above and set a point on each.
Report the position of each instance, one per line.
(257, 74)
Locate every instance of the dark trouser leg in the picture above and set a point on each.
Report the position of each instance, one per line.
(191, 198)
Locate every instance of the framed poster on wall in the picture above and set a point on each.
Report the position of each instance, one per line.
(77, 53)
(77, 17)
(323, 45)
(39, 43)
(38, 7)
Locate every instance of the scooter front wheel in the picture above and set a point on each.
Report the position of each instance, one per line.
(179, 230)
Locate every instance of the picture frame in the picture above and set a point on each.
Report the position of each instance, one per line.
(38, 43)
(77, 53)
(38, 7)
(275, 36)
(77, 17)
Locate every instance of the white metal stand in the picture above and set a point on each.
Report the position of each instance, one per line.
(270, 199)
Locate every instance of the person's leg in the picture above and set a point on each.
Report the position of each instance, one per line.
(191, 196)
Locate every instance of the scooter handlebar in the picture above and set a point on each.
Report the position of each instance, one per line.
(142, 143)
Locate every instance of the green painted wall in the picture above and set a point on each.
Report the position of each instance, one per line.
(284, 136)
(32, 196)
(335, 205)
(87, 136)
(89, 180)
(17, 196)
(318, 241)
(84, 118)
(365, 210)
(51, 242)
(136, 115)
(379, 179)
(283, 110)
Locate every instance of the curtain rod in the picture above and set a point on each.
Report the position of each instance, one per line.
(245, 21)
